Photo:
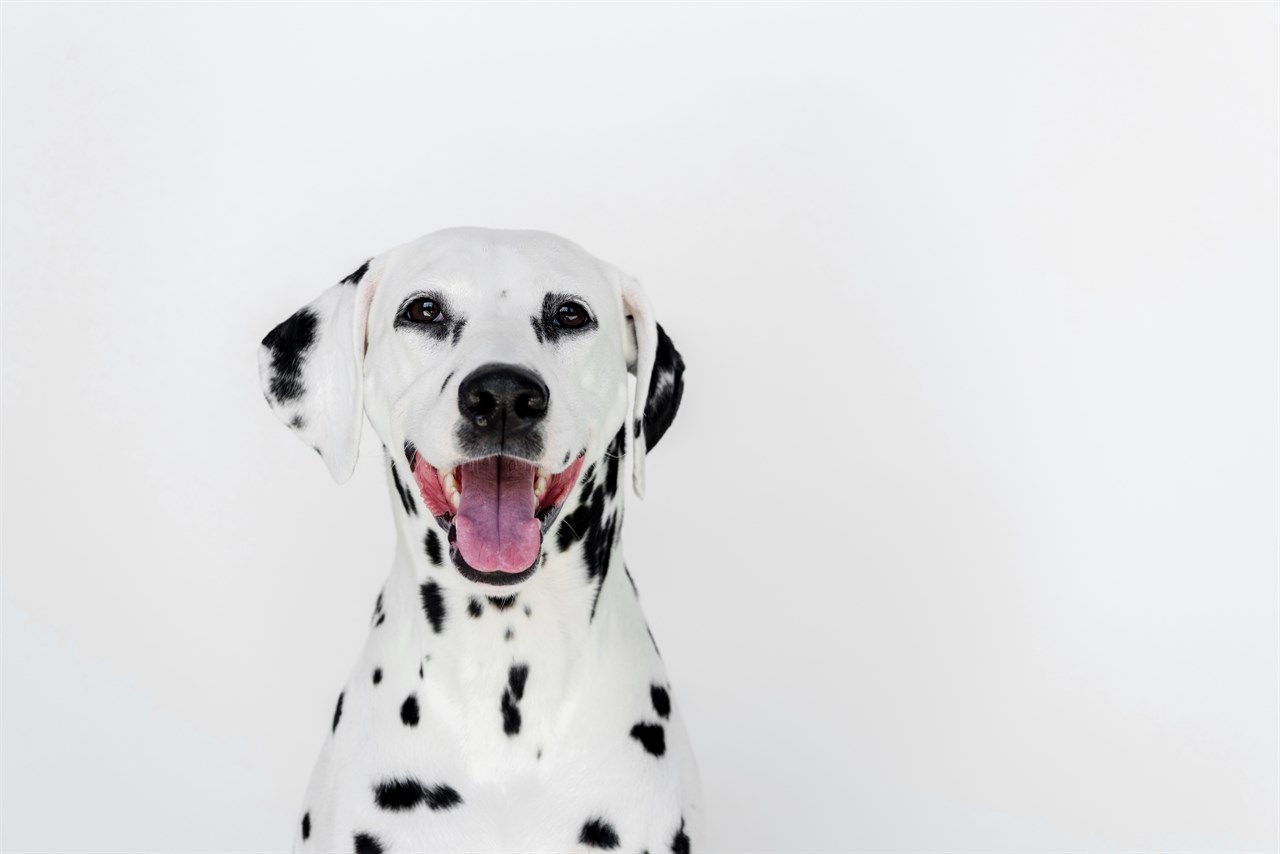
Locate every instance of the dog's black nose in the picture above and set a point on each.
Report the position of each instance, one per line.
(504, 399)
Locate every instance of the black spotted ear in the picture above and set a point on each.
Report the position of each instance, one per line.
(659, 372)
(666, 387)
(312, 370)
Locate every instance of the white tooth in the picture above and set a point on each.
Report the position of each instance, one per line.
(450, 483)
(455, 500)
(540, 486)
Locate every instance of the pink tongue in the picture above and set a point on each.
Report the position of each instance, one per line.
(496, 528)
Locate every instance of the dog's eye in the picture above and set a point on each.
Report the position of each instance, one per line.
(423, 311)
(570, 315)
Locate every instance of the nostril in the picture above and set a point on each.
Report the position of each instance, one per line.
(530, 405)
(482, 402)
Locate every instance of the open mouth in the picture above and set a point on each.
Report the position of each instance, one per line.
(496, 511)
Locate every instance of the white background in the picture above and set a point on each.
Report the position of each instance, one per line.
(965, 537)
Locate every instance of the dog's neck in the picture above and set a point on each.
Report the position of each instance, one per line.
(457, 628)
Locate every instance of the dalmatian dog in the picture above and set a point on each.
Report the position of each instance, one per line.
(510, 696)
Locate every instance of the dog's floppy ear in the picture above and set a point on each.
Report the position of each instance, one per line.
(312, 369)
(659, 372)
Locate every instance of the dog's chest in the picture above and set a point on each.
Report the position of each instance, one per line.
(501, 731)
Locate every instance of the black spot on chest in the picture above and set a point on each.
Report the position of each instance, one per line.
(517, 676)
(405, 794)
(502, 603)
(598, 833)
(661, 700)
(337, 712)
(680, 842)
(409, 710)
(367, 844)
(651, 736)
(474, 608)
(306, 826)
(289, 343)
(433, 605)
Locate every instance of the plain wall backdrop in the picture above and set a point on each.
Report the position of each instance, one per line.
(964, 539)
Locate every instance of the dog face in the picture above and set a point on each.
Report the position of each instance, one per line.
(498, 362)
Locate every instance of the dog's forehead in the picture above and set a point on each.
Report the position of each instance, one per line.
(492, 263)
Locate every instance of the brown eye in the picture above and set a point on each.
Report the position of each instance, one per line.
(571, 315)
(423, 311)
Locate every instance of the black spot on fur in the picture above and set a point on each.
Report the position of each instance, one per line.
(411, 455)
(306, 826)
(366, 844)
(406, 794)
(511, 633)
(566, 458)
(680, 842)
(406, 497)
(613, 455)
(433, 605)
(432, 544)
(382, 618)
(666, 387)
(378, 615)
(377, 675)
(457, 330)
(337, 713)
(536, 323)
(528, 612)
(297, 422)
(651, 736)
(510, 715)
(661, 700)
(446, 381)
(354, 278)
(409, 711)
(474, 608)
(516, 678)
(598, 833)
(502, 603)
(289, 343)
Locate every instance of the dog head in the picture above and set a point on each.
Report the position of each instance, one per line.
(498, 362)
